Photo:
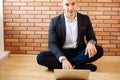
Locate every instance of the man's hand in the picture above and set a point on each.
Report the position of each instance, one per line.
(90, 50)
(66, 64)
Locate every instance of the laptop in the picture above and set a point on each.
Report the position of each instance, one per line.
(72, 74)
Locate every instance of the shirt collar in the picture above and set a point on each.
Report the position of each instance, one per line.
(66, 19)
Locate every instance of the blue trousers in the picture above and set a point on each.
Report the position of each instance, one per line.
(48, 59)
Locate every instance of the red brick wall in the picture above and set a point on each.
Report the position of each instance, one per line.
(26, 23)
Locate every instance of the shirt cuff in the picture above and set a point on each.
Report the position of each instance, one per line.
(60, 58)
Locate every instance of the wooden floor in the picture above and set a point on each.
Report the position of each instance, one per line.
(24, 67)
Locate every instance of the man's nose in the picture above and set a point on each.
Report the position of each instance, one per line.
(70, 7)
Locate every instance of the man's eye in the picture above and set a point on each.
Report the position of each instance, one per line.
(67, 4)
(73, 4)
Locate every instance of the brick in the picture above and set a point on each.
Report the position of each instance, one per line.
(18, 44)
(32, 52)
(8, 44)
(103, 25)
(8, 36)
(95, 4)
(19, 4)
(104, 0)
(27, 32)
(41, 48)
(99, 37)
(42, 16)
(111, 29)
(42, 8)
(89, 0)
(19, 12)
(34, 28)
(115, 41)
(8, 28)
(116, 17)
(11, 40)
(34, 4)
(7, 4)
(11, 48)
(43, 0)
(48, 12)
(98, 29)
(11, 32)
(56, 8)
(34, 20)
(102, 17)
(18, 52)
(41, 40)
(20, 28)
(111, 4)
(46, 20)
(27, 24)
(26, 8)
(115, 8)
(103, 33)
(97, 21)
(26, 48)
(109, 53)
(32, 44)
(110, 21)
(49, 4)
(109, 37)
(12, 0)
(103, 41)
(42, 24)
(19, 36)
(103, 8)
(26, 40)
(11, 8)
(88, 8)
(56, 1)
(12, 16)
(116, 0)
(110, 13)
(19, 20)
(46, 28)
(45, 36)
(27, 0)
(115, 34)
(7, 12)
(82, 4)
(8, 20)
(33, 12)
(27, 16)
(12, 24)
(95, 13)
(109, 45)
(34, 36)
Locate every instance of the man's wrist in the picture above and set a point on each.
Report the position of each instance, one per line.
(92, 42)
(61, 58)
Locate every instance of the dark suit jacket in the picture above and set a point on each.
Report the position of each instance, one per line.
(57, 33)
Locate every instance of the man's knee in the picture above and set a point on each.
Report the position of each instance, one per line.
(40, 57)
(100, 50)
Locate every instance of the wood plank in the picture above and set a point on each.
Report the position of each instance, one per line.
(25, 67)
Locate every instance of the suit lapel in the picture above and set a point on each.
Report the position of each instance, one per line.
(79, 18)
(63, 27)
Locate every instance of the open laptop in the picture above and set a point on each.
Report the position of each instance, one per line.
(73, 74)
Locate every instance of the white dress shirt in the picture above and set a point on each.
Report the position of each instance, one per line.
(71, 34)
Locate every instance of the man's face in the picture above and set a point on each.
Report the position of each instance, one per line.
(70, 7)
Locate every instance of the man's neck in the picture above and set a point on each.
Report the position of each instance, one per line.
(71, 18)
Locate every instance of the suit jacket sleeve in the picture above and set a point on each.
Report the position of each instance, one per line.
(90, 35)
(53, 41)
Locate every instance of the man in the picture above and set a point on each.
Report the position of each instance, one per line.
(68, 49)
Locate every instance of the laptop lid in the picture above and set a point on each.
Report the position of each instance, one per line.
(63, 74)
